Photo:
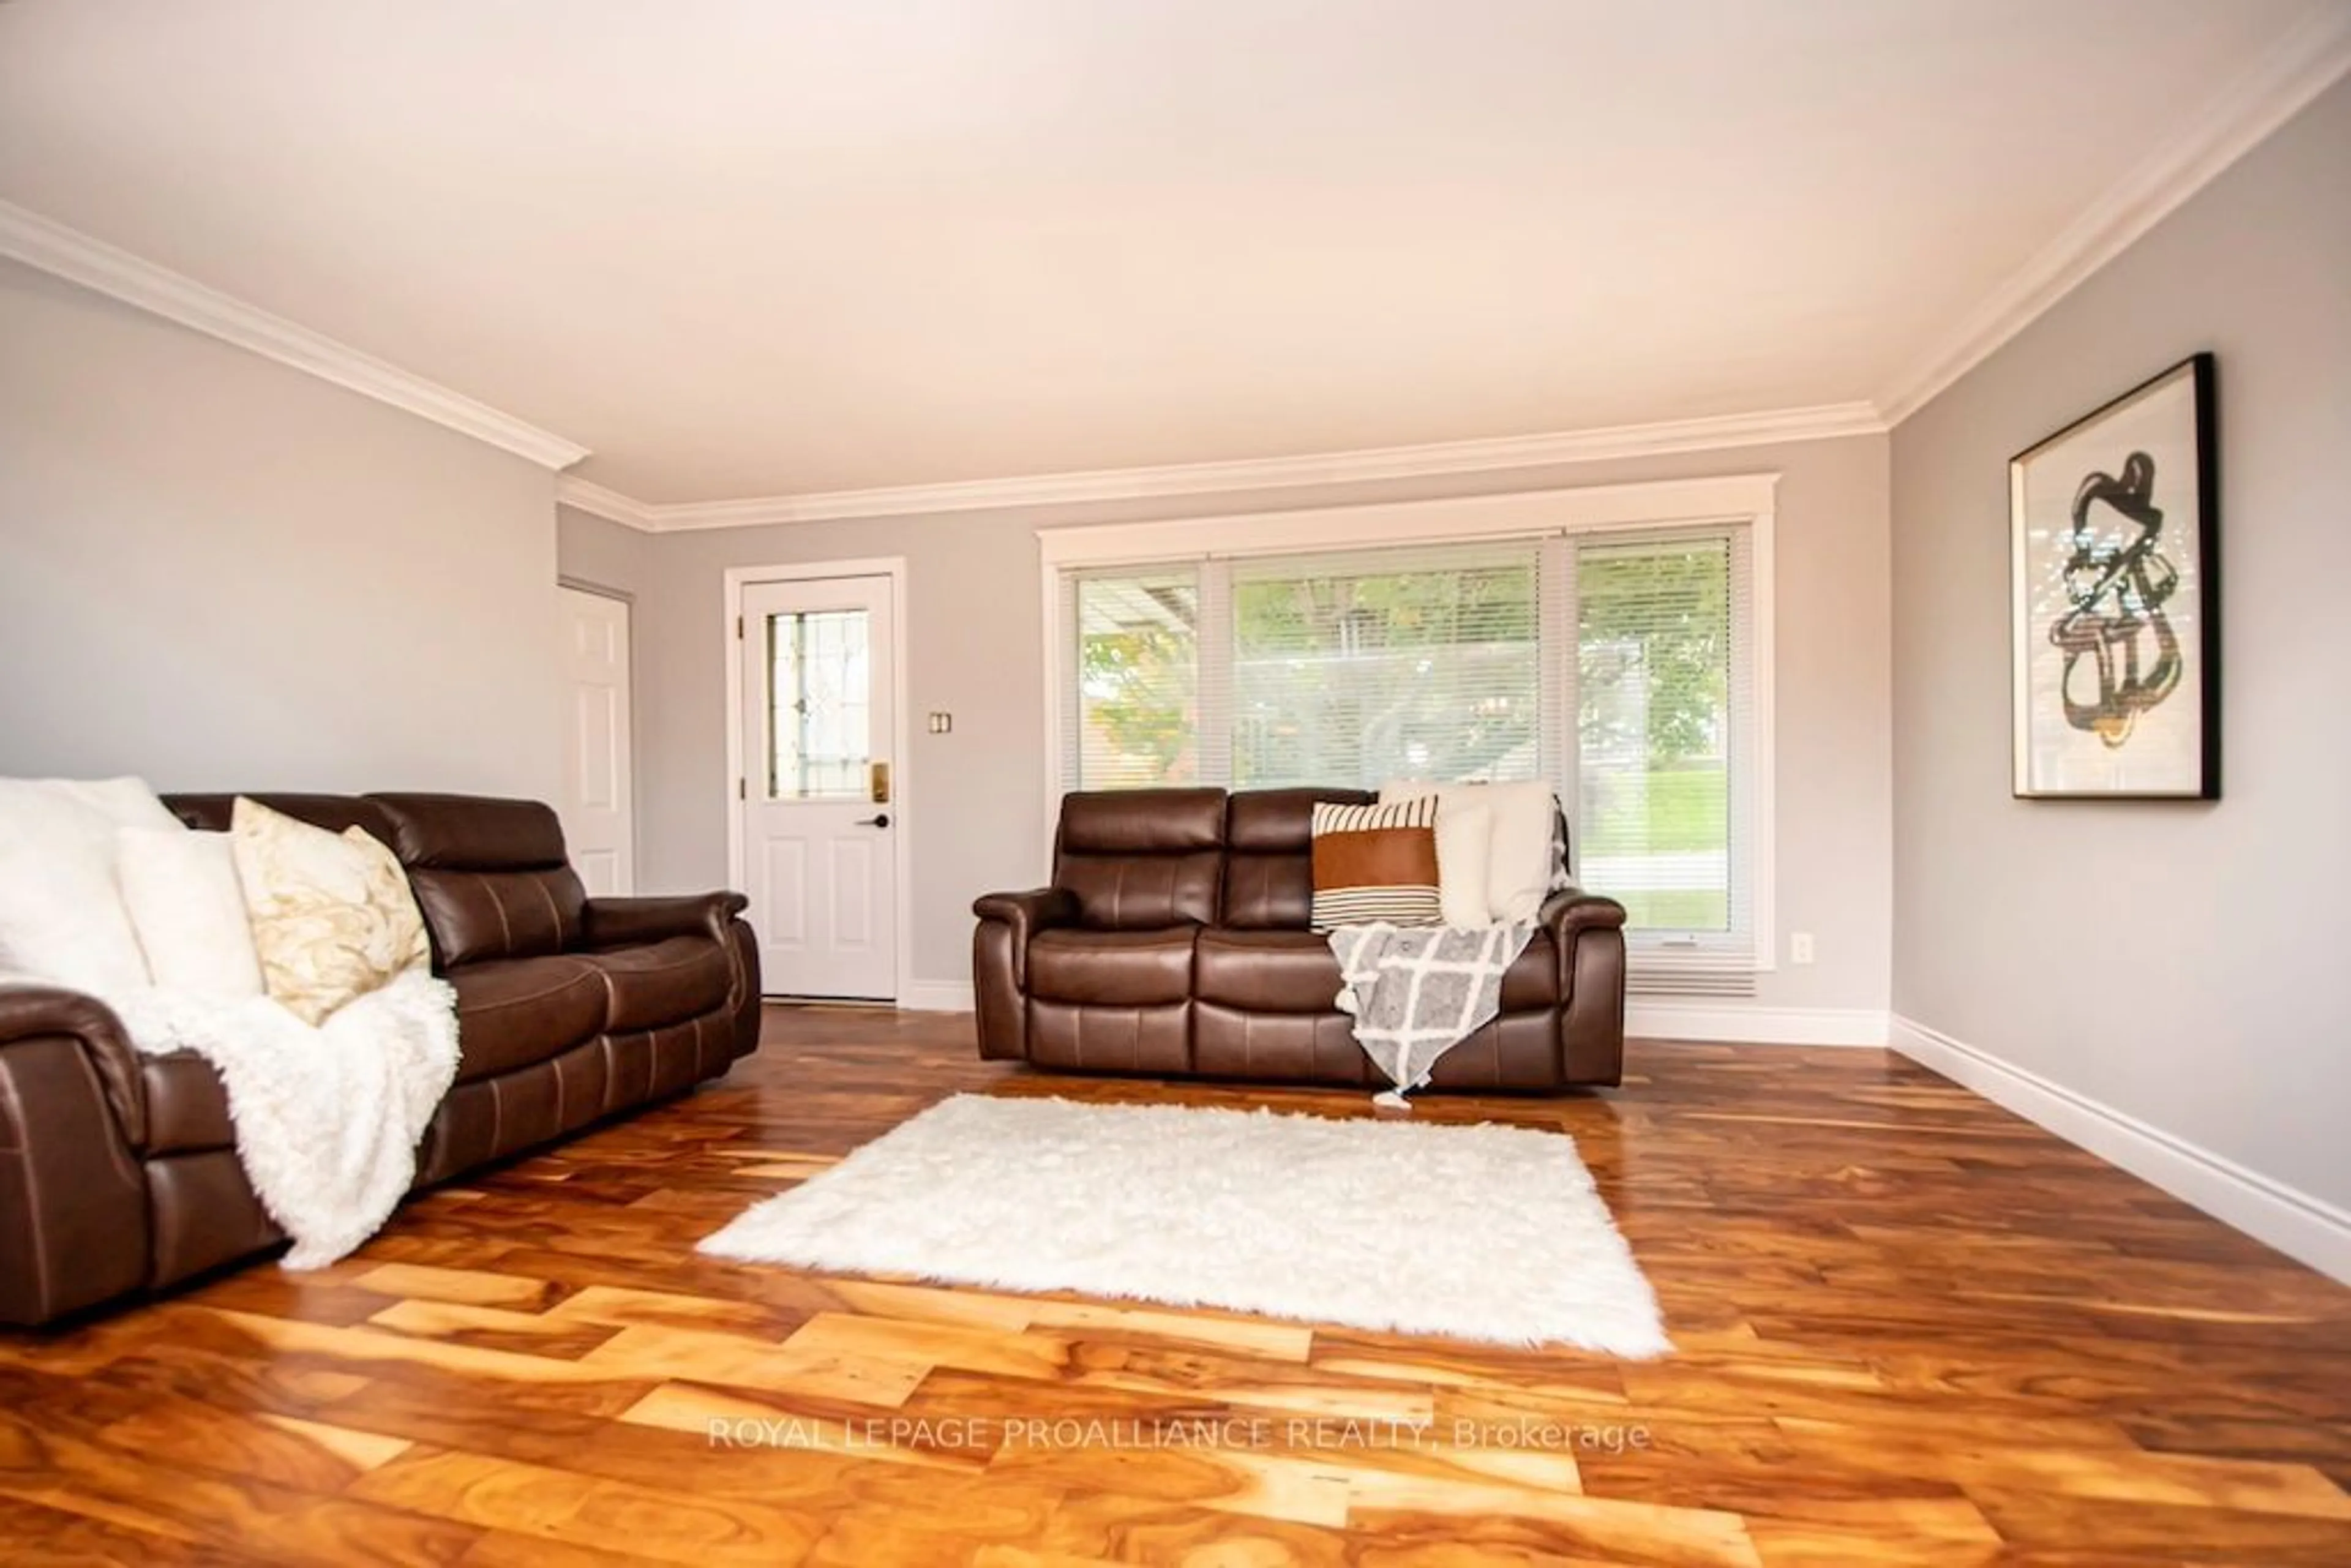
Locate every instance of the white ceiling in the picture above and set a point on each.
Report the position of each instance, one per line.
(752, 248)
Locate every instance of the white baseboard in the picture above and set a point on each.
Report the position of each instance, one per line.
(935, 996)
(2297, 1224)
(1745, 1023)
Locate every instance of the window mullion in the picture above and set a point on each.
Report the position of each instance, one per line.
(1555, 609)
(1214, 648)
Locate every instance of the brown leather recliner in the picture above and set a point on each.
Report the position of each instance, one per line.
(1175, 942)
(119, 1172)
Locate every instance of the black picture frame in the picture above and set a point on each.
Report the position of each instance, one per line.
(2114, 628)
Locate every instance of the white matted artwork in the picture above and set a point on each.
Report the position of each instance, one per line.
(2117, 620)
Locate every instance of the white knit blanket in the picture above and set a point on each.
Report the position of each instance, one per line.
(1416, 992)
(327, 1119)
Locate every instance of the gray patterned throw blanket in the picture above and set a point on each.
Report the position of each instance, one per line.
(1417, 991)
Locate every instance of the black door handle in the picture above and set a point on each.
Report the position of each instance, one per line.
(881, 821)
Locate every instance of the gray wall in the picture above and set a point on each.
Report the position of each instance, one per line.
(222, 573)
(975, 804)
(2182, 963)
(596, 553)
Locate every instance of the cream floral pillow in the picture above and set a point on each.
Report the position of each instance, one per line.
(331, 914)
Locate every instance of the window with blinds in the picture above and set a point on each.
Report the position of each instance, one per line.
(1664, 713)
(1618, 664)
(1137, 709)
(1356, 669)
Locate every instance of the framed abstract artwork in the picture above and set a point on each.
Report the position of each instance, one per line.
(2114, 528)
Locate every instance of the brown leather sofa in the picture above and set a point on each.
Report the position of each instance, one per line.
(1175, 942)
(119, 1172)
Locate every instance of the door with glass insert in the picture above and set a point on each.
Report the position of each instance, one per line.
(817, 796)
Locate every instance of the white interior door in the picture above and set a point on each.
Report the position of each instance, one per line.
(817, 799)
(597, 804)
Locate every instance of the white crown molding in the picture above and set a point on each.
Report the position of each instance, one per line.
(93, 264)
(2296, 1223)
(1517, 514)
(586, 495)
(2306, 62)
(1254, 473)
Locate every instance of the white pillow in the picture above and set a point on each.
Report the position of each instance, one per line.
(1464, 844)
(188, 910)
(1519, 868)
(61, 914)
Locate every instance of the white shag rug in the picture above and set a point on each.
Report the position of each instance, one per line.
(1484, 1232)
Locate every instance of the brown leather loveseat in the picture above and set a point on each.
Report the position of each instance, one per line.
(119, 1172)
(1175, 941)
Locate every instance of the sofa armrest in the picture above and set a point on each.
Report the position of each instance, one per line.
(1571, 910)
(74, 1226)
(1589, 933)
(1037, 909)
(30, 1012)
(623, 922)
(1567, 914)
(999, 963)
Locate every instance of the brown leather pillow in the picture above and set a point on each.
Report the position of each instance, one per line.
(1376, 865)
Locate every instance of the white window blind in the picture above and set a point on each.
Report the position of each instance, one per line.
(1618, 664)
(1134, 720)
(1399, 663)
(1664, 698)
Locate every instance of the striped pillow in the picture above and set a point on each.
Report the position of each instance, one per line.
(1376, 864)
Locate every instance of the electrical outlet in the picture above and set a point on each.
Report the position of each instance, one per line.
(1800, 947)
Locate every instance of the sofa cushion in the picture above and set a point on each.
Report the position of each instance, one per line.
(472, 833)
(1112, 968)
(1141, 822)
(1303, 1048)
(662, 982)
(1089, 1038)
(1294, 972)
(200, 1213)
(1141, 893)
(1268, 862)
(187, 1106)
(517, 1012)
(1140, 860)
(212, 813)
(1267, 971)
(490, 875)
(475, 915)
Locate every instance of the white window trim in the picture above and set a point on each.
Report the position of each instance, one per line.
(1744, 499)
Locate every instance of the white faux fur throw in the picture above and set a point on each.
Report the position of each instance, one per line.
(327, 1118)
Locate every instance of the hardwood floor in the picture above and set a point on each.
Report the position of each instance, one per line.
(1910, 1328)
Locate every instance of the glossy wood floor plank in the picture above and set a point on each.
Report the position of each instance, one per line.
(1911, 1329)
